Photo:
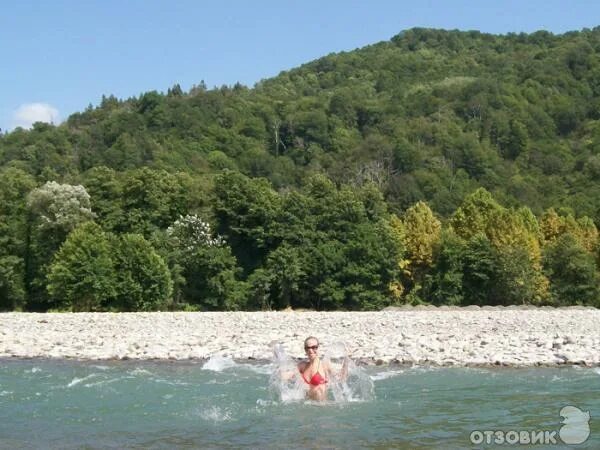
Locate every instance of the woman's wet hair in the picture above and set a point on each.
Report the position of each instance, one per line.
(310, 338)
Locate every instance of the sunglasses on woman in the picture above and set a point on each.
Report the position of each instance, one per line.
(311, 347)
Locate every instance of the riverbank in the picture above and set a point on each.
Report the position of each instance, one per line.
(471, 336)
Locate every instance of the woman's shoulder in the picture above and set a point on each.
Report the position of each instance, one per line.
(302, 365)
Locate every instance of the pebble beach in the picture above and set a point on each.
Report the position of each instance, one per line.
(444, 336)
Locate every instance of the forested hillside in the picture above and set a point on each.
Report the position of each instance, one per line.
(440, 166)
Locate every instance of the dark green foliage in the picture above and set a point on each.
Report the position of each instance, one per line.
(300, 173)
(476, 273)
(54, 210)
(516, 279)
(445, 283)
(572, 272)
(335, 253)
(82, 276)
(151, 200)
(140, 201)
(12, 286)
(212, 283)
(287, 275)
(14, 187)
(143, 281)
(480, 271)
(465, 108)
(245, 210)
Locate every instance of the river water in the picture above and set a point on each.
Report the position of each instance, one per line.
(223, 404)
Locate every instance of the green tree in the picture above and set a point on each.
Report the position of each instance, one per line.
(444, 284)
(15, 184)
(422, 233)
(82, 276)
(572, 272)
(472, 217)
(212, 280)
(480, 271)
(55, 210)
(207, 264)
(143, 279)
(106, 194)
(246, 210)
(287, 273)
(152, 199)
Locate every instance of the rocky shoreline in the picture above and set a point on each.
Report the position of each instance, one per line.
(445, 336)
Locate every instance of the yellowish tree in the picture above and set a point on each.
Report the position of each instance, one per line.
(588, 234)
(509, 228)
(472, 217)
(422, 233)
(515, 232)
(551, 225)
(583, 229)
(398, 235)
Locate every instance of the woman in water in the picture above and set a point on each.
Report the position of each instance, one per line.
(317, 373)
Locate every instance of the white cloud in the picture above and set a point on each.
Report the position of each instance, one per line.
(26, 115)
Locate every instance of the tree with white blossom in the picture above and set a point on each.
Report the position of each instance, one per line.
(190, 232)
(60, 206)
(55, 210)
(209, 268)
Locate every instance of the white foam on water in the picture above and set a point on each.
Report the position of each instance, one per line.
(33, 370)
(4, 393)
(419, 368)
(215, 381)
(101, 367)
(597, 370)
(170, 382)
(215, 414)
(76, 380)
(109, 381)
(387, 374)
(218, 363)
(139, 371)
(262, 369)
(262, 406)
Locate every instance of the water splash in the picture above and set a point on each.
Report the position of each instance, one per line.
(348, 383)
(336, 350)
(139, 371)
(76, 380)
(108, 381)
(352, 383)
(285, 384)
(218, 363)
(262, 369)
(215, 414)
(386, 374)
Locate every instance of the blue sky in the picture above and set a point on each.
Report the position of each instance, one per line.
(59, 56)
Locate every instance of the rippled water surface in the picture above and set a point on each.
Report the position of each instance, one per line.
(223, 404)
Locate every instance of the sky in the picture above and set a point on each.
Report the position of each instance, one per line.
(57, 57)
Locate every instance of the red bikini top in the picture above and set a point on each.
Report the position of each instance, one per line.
(316, 379)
